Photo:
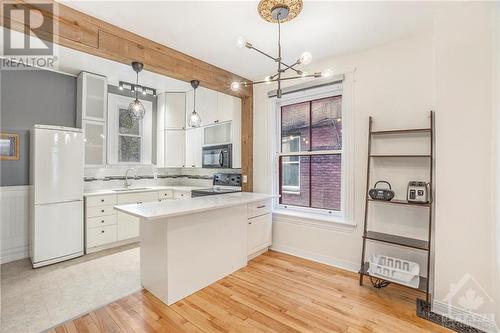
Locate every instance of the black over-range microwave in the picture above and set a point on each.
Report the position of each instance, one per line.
(219, 156)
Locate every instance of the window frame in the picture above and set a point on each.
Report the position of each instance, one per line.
(118, 135)
(293, 189)
(345, 215)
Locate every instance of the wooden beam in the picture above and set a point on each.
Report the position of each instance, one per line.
(82, 32)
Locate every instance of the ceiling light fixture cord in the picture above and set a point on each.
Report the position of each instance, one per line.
(278, 91)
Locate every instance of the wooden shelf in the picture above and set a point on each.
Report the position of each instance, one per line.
(422, 285)
(402, 131)
(397, 240)
(397, 156)
(401, 202)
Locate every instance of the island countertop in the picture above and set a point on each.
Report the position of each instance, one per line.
(171, 208)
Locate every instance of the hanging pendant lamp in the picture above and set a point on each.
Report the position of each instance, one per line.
(194, 119)
(135, 108)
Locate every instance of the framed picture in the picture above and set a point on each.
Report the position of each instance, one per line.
(9, 146)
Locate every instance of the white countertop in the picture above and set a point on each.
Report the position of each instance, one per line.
(141, 189)
(171, 208)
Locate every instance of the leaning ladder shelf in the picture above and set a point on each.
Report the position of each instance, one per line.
(369, 235)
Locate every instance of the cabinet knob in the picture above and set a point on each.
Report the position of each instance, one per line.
(102, 231)
(102, 210)
(102, 200)
(102, 221)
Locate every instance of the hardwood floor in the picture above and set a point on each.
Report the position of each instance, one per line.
(274, 293)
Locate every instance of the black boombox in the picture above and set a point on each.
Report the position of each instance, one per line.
(381, 193)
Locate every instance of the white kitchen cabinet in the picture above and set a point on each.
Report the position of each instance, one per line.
(194, 144)
(92, 93)
(206, 105)
(226, 106)
(182, 195)
(127, 226)
(95, 142)
(236, 132)
(175, 148)
(171, 111)
(259, 233)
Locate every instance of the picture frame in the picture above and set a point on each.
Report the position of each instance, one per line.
(9, 146)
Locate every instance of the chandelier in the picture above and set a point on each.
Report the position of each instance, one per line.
(279, 11)
(135, 108)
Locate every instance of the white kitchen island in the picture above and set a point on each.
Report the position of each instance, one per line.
(187, 245)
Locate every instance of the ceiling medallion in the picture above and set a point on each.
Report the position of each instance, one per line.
(268, 10)
(279, 11)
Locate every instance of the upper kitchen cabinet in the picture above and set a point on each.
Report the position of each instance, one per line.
(206, 105)
(227, 106)
(92, 91)
(171, 110)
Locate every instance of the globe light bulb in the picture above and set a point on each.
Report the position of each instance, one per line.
(235, 86)
(240, 42)
(327, 73)
(306, 58)
(267, 79)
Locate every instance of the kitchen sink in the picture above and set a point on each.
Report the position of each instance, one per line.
(125, 189)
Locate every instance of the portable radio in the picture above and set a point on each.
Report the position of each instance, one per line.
(381, 193)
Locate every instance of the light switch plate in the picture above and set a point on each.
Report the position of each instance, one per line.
(245, 178)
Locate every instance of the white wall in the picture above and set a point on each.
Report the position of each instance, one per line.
(448, 69)
(397, 95)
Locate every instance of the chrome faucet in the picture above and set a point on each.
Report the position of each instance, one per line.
(127, 183)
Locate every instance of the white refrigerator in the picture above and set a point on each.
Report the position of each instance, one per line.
(57, 161)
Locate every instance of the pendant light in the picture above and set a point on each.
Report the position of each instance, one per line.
(135, 108)
(194, 119)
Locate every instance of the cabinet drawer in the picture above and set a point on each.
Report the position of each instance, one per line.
(166, 194)
(179, 195)
(259, 233)
(259, 208)
(101, 200)
(133, 198)
(101, 221)
(100, 211)
(101, 235)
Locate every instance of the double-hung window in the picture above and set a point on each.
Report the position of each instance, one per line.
(129, 137)
(310, 155)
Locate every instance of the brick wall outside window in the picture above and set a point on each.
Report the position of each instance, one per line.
(320, 175)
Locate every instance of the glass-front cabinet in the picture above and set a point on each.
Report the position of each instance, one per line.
(92, 94)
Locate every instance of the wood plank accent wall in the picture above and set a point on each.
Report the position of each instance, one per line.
(79, 31)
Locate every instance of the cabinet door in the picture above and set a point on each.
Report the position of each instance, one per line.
(127, 226)
(259, 233)
(226, 106)
(94, 96)
(194, 144)
(206, 103)
(175, 148)
(160, 148)
(175, 110)
(95, 142)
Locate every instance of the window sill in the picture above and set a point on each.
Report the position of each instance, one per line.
(312, 218)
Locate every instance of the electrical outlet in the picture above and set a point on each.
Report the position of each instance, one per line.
(245, 178)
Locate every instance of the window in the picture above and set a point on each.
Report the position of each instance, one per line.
(310, 156)
(129, 140)
(129, 137)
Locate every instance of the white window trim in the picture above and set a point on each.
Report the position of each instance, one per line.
(293, 189)
(345, 216)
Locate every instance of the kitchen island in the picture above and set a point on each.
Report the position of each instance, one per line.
(187, 245)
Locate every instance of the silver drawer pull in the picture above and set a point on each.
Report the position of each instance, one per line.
(263, 206)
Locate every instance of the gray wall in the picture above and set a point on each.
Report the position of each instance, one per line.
(29, 97)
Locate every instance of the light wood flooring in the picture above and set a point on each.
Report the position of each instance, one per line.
(274, 293)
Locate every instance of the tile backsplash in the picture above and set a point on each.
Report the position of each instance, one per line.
(113, 176)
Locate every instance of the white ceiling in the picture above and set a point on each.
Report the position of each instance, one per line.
(208, 29)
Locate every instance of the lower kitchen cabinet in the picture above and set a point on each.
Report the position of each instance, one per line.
(259, 233)
(105, 227)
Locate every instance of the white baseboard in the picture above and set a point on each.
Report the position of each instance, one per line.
(327, 260)
(13, 254)
(481, 322)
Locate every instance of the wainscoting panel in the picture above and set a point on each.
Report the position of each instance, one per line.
(14, 219)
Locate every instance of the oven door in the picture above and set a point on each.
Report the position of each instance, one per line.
(217, 157)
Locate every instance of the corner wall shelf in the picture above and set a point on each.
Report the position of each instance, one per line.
(398, 240)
